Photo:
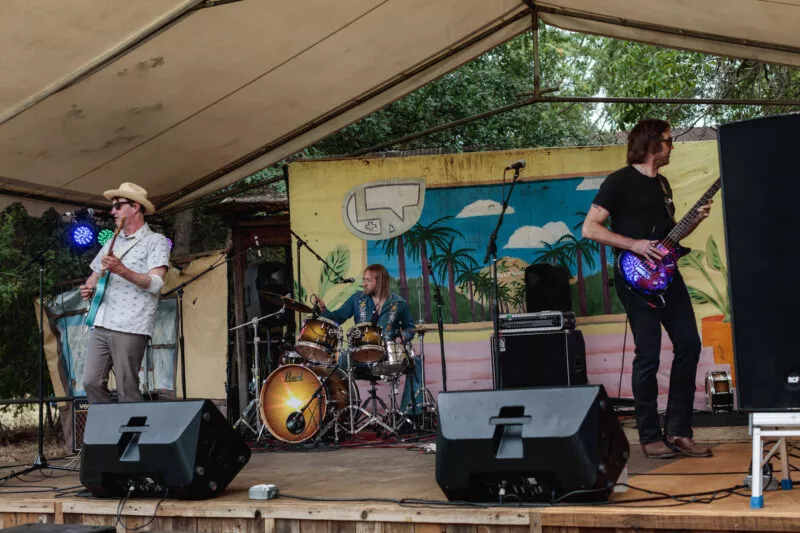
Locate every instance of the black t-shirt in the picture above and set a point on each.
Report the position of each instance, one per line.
(637, 203)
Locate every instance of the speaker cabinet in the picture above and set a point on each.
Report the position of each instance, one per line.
(532, 444)
(547, 288)
(181, 449)
(547, 359)
(760, 190)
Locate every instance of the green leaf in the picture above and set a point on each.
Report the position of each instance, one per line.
(712, 257)
(693, 259)
(699, 297)
(339, 260)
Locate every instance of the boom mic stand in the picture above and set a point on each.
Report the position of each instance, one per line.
(41, 463)
(179, 291)
(491, 251)
(300, 244)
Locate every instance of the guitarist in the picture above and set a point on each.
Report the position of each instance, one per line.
(638, 199)
(126, 317)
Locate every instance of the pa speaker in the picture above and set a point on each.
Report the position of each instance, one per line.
(544, 359)
(547, 288)
(760, 187)
(543, 444)
(180, 449)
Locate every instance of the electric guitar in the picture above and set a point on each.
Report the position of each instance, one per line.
(100, 290)
(650, 279)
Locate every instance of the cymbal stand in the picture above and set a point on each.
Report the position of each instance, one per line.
(427, 405)
(253, 408)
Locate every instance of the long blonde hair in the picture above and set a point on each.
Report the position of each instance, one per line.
(381, 280)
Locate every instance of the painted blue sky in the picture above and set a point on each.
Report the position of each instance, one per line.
(537, 211)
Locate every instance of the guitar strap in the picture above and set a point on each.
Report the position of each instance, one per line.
(667, 198)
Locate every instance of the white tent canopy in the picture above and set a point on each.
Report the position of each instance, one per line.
(184, 99)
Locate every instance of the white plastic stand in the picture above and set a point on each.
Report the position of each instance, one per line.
(779, 425)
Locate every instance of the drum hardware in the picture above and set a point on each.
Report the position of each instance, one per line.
(359, 416)
(252, 407)
(427, 406)
(719, 391)
(393, 416)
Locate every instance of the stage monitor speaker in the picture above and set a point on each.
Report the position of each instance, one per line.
(544, 444)
(179, 449)
(547, 288)
(760, 190)
(546, 359)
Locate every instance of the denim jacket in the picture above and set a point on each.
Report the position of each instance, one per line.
(394, 319)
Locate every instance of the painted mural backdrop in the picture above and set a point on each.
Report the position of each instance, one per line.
(460, 203)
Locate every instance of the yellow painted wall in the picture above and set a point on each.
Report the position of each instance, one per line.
(317, 188)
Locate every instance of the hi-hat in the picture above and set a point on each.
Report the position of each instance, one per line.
(424, 328)
(291, 305)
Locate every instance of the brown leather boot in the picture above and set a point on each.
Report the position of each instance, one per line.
(688, 447)
(658, 450)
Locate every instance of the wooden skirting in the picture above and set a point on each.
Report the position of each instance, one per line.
(406, 473)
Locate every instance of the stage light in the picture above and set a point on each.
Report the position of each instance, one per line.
(82, 234)
(104, 236)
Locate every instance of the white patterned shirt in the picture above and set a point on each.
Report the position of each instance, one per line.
(127, 307)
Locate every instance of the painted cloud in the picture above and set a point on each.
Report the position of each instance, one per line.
(482, 208)
(532, 236)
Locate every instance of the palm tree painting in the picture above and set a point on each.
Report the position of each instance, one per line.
(579, 251)
(603, 253)
(420, 241)
(397, 246)
(447, 261)
(467, 278)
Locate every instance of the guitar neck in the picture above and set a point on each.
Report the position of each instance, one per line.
(682, 228)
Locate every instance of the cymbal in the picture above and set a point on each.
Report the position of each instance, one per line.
(291, 305)
(424, 328)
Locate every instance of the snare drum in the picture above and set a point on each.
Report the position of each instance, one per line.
(319, 340)
(395, 362)
(366, 343)
(719, 391)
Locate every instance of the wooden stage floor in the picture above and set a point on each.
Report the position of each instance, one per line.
(365, 474)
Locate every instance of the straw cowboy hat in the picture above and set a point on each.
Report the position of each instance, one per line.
(133, 192)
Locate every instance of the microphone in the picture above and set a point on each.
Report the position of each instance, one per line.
(295, 423)
(516, 166)
(83, 211)
(346, 280)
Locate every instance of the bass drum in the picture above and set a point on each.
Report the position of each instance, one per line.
(288, 389)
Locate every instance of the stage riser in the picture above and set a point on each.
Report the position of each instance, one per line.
(565, 521)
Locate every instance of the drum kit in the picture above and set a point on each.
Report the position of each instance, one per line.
(313, 393)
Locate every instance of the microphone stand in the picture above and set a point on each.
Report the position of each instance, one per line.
(437, 296)
(491, 251)
(300, 244)
(40, 463)
(179, 291)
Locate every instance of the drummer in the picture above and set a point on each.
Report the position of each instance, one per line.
(376, 305)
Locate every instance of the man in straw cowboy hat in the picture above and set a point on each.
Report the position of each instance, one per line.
(126, 317)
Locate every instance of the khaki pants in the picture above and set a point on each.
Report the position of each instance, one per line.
(122, 351)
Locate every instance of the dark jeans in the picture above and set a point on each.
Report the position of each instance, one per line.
(677, 317)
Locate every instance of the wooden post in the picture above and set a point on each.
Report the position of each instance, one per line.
(240, 314)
